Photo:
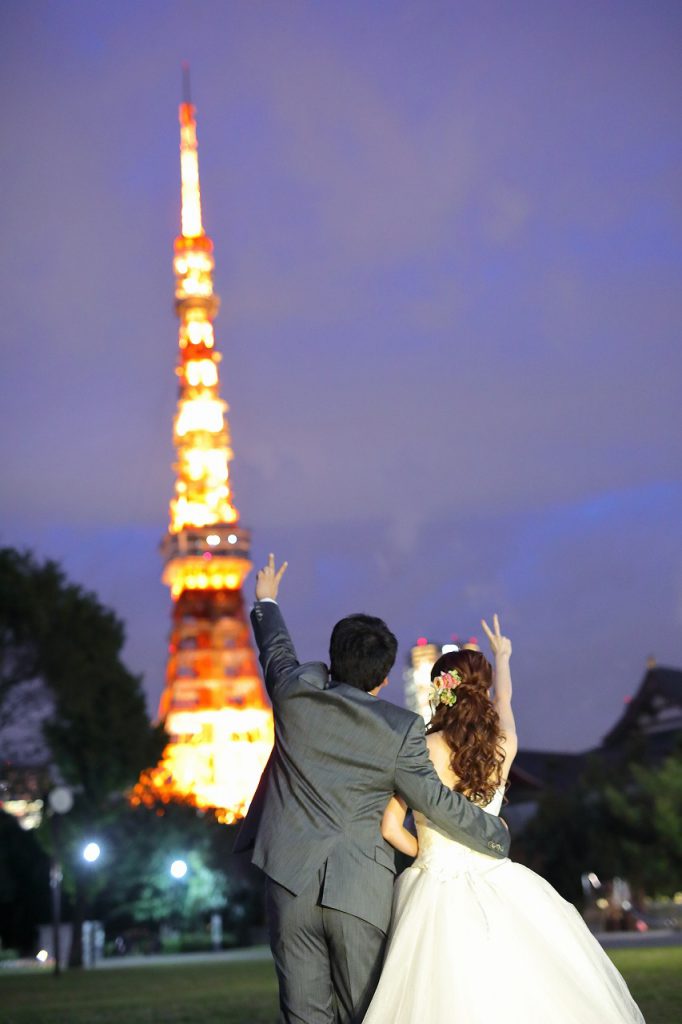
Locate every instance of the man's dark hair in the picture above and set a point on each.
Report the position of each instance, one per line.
(362, 651)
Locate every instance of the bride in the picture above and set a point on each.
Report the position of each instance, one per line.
(474, 940)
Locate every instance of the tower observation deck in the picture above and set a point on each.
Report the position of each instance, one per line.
(213, 706)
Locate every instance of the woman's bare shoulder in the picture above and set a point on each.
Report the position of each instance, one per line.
(436, 743)
(440, 754)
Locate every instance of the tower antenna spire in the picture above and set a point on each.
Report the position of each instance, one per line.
(189, 163)
(186, 91)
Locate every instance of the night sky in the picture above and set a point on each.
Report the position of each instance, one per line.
(448, 241)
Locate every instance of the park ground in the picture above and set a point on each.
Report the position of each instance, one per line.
(245, 992)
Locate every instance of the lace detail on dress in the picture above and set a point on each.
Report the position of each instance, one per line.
(446, 858)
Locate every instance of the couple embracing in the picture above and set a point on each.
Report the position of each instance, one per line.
(464, 929)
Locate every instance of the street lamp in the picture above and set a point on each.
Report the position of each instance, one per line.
(60, 800)
(178, 869)
(91, 852)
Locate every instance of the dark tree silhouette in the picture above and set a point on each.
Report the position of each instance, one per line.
(62, 647)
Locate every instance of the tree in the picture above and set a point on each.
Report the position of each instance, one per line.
(58, 638)
(648, 816)
(136, 891)
(26, 596)
(140, 846)
(632, 830)
(570, 835)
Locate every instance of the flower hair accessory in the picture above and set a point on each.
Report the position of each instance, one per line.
(443, 689)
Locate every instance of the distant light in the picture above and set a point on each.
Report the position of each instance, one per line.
(178, 869)
(593, 880)
(422, 641)
(642, 926)
(91, 853)
(61, 800)
(213, 539)
(29, 821)
(207, 555)
(42, 955)
(602, 903)
(471, 644)
(232, 538)
(447, 648)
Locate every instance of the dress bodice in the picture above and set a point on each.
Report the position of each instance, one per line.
(447, 857)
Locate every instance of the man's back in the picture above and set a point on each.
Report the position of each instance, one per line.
(328, 781)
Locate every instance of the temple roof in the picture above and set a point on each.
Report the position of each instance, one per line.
(533, 770)
(655, 708)
(649, 729)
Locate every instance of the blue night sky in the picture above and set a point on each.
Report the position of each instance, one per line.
(448, 242)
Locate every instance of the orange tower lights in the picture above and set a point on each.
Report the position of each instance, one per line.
(213, 705)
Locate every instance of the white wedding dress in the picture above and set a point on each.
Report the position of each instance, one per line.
(475, 940)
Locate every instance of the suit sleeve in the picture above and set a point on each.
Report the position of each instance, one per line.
(277, 655)
(276, 651)
(416, 781)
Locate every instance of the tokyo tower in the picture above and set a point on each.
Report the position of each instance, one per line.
(213, 706)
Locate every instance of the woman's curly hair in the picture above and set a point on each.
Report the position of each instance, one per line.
(471, 726)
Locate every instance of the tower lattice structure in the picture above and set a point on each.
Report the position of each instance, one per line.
(213, 706)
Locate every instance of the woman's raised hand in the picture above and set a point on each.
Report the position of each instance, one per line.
(501, 646)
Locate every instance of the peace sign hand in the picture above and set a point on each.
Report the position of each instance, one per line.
(501, 645)
(268, 580)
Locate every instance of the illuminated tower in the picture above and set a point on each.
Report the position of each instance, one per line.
(417, 676)
(213, 706)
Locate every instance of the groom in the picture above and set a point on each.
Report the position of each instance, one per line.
(314, 824)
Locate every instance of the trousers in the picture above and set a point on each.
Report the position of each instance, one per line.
(328, 963)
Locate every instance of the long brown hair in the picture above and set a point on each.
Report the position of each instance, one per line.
(471, 726)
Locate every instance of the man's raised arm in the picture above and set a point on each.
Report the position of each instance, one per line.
(276, 651)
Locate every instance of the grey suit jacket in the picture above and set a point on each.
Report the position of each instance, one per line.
(339, 756)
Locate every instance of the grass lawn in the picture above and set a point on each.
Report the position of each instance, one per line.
(227, 993)
(654, 977)
(246, 993)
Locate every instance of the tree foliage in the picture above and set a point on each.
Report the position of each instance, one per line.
(96, 726)
(616, 820)
(648, 817)
(139, 848)
(60, 647)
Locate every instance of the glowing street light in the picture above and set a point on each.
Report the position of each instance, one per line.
(91, 852)
(178, 869)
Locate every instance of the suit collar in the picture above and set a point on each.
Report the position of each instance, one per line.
(347, 687)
